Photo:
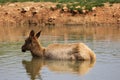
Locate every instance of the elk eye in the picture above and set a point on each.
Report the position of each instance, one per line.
(28, 41)
(25, 40)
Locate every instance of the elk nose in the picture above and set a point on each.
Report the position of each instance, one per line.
(23, 49)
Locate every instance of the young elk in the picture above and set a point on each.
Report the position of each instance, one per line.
(75, 51)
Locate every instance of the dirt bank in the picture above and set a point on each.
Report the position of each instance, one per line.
(40, 13)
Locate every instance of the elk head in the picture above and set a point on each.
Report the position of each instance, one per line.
(31, 42)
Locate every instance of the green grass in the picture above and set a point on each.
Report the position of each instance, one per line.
(84, 4)
(72, 4)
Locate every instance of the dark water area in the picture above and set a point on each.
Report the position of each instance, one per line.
(103, 40)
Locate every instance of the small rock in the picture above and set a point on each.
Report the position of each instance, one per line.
(93, 8)
(12, 5)
(78, 7)
(23, 10)
(118, 20)
(42, 6)
(53, 8)
(65, 9)
(75, 11)
(32, 9)
(26, 8)
(85, 11)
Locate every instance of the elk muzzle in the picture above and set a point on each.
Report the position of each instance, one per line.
(23, 48)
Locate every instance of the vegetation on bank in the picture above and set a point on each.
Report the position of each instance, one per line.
(82, 6)
(72, 6)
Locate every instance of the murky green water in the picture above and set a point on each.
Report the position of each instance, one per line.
(103, 40)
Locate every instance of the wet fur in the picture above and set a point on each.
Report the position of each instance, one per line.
(74, 51)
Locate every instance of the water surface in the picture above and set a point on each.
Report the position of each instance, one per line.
(103, 40)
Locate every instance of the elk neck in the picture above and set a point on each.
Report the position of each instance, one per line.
(37, 50)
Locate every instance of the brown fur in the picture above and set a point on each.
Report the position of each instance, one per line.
(75, 51)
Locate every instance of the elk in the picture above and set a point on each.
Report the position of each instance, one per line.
(73, 51)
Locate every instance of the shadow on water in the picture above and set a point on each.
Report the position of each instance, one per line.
(34, 67)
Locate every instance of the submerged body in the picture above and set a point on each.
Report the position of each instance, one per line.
(75, 51)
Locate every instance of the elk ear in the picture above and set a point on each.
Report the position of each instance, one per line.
(38, 34)
(32, 33)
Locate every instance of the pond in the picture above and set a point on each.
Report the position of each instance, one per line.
(103, 40)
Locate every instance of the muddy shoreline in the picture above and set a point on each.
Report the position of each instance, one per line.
(40, 13)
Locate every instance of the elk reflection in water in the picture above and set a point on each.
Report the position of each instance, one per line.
(34, 67)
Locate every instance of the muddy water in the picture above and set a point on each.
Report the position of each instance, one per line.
(103, 40)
